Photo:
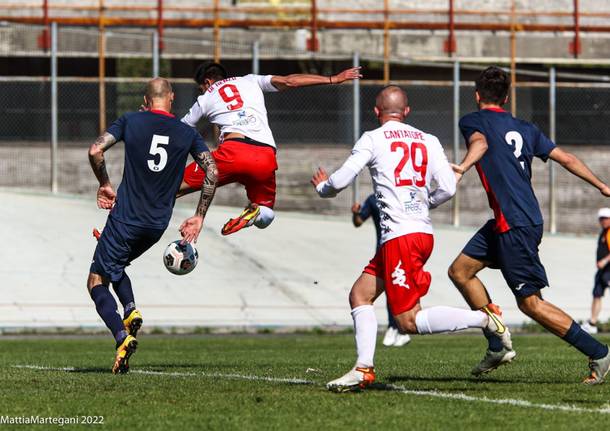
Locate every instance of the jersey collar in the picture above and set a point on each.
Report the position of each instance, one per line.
(161, 112)
(494, 109)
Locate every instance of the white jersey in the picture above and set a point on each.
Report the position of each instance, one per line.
(410, 175)
(236, 105)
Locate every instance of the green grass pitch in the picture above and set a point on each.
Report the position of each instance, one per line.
(276, 382)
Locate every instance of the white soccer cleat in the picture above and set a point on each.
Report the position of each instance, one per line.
(357, 378)
(401, 340)
(496, 325)
(493, 360)
(390, 337)
(589, 327)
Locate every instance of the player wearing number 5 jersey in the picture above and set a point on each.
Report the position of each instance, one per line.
(156, 148)
(246, 154)
(404, 163)
(501, 148)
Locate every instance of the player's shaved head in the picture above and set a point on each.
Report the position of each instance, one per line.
(158, 88)
(391, 103)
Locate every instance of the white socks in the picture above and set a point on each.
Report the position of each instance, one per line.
(365, 325)
(448, 319)
(265, 217)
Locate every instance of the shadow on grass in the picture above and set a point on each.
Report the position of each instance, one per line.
(477, 380)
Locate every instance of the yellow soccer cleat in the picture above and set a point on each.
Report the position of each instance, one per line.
(123, 353)
(133, 322)
(245, 219)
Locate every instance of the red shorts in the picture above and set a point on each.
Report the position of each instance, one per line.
(252, 165)
(400, 263)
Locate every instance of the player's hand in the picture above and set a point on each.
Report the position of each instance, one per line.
(356, 208)
(319, 177)
(105, 197)
(347, 75)
(190, 229)
(605, 190)
(458, 171)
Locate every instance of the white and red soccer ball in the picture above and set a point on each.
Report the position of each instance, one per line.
(180, 258)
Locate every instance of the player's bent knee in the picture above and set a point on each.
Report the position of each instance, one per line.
(265, 217)
(530, 305)
(94, 280)
(406, 324)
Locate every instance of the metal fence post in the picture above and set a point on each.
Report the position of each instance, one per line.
(552, 135)
(155, 54)
(455, 216)
(356, 120)
(255, 58)
(54, 161)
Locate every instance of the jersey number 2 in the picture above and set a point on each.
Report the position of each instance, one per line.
(233, 100)
(156, 150)
(420, 166)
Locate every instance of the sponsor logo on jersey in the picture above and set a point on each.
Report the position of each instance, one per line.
(399, 276)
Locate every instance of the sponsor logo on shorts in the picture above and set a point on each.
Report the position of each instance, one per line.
(399, 277)
(520, 286)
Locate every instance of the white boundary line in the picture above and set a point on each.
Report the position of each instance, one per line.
(435, 394)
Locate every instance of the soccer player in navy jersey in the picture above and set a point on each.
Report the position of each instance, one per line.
(501, 148)
(156, 149)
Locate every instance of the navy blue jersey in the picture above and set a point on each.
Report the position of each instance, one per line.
(506, 167)
(370, 209)
(156, 148)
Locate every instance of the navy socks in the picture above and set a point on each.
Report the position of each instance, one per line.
(584, 342)
(107, 309)
(125, 293)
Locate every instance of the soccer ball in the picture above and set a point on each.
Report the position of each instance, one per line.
(180, 258)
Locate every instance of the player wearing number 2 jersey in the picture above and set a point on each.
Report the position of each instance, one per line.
(156, 148)
(404, 163)
(502, 148)
(246, 154)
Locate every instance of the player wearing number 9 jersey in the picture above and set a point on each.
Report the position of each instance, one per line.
(404, 163)
(246, 154)
(502, 148)
(156, 149)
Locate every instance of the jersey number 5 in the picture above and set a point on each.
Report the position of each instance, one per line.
(420, 166)
(156, 150)
(233, 100)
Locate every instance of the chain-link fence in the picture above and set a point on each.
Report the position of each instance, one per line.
(313, 126)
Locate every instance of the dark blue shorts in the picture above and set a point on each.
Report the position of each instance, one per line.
(119, 245)
(515, 253)
(602, 282)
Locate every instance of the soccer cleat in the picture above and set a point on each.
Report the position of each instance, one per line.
(390, 337)
(245, 219)
(496, 325)
(357, 378)
(493, 360)
(133, 322)
(599, 368)
(589, 327)
(401, 340)
(123, 353)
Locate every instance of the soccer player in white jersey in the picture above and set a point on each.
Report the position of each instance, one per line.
(246, 154)
(403, 162)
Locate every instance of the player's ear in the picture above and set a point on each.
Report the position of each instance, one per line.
(505, 100)
(477, 97)
(376, 110)
(146, 101)
(407, 110)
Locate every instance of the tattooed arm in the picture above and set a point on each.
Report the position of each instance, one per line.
(105, 193)
(192, 226)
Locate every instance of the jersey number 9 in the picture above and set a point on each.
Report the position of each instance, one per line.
(233, 100)
(420, 164)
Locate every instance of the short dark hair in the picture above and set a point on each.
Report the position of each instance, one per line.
(492, 85)
(213, 71)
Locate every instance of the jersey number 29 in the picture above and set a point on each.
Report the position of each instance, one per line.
(420, 164)
(155, 150)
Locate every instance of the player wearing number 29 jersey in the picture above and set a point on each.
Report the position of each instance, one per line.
(246, 154)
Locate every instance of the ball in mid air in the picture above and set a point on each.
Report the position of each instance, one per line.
(180, 258)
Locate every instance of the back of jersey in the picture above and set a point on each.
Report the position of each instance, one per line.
(156, 148)
(238, 105)
(403, 161)
(505, 168)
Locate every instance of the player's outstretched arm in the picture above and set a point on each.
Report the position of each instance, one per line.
(577, 167)
(477, 147)
(304, 80)
(105, 193)
(191, 227)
